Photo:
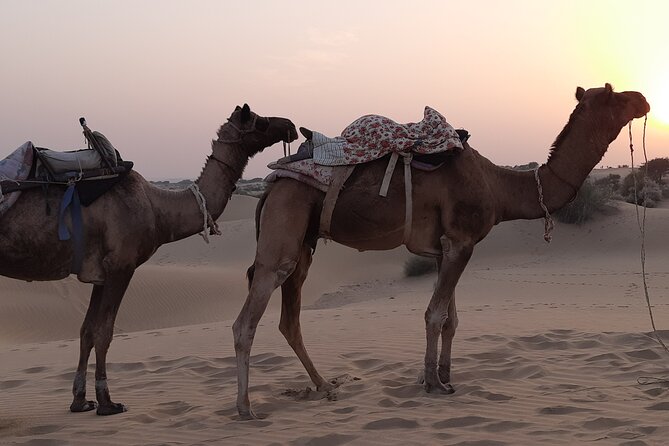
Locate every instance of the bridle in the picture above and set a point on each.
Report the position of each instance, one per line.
(241, 133)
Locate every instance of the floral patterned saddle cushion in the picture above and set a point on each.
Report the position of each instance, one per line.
(368, 138)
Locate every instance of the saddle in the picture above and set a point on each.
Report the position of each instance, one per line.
(93, 170)
(424, 145)
(84, 175)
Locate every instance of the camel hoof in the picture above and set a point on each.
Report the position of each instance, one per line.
(83, 406)
(327, 387)
(248, 415)
(443, 389)
(111, 409)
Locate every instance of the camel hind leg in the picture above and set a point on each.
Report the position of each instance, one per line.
(277, 256)
(291, 299)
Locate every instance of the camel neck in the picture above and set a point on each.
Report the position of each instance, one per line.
(178, 213)
(571, 161)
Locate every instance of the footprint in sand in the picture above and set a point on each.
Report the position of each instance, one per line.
(563, 410)
(11, 383)
(471, 420)
(391, 423)
(659, 406)
(330, 440)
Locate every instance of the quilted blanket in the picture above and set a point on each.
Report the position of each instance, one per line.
(15, 167)
(372, 136)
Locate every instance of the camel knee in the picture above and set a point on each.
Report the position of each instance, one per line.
(286, 268)
(435, 319)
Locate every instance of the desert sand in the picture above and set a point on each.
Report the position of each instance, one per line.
(553, 346)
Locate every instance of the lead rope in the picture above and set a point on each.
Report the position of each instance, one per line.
(641, 221)
(549, 224)
(286, 145)
(208, 221)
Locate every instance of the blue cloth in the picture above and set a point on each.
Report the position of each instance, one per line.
(71, 201)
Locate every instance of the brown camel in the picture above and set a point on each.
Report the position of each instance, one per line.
(122, 229)
(454, 208)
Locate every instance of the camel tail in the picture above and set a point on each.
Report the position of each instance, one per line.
(252, 269)
(259, 207)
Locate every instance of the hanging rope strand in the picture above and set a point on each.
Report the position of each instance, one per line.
(549, 225)
(208, 221)
(641, 221)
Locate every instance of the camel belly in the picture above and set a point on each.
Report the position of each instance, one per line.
(364, 220)
(46, 267)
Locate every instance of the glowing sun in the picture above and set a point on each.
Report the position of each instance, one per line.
(659, 104)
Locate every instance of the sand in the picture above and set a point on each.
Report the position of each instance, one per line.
(552, 342)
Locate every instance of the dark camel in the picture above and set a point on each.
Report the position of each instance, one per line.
(454, 208)
(123, 228)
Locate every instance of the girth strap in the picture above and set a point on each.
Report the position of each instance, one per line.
(339, 176)
(341, 173)
(385, 184)
(408, 196)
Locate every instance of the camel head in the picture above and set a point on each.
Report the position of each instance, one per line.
(254, 132)
(601, 113)
(608, 108)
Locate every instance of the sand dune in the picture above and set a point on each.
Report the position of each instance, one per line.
(552, 342)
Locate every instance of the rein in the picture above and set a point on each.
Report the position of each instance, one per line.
(286, 145)
(641, 221)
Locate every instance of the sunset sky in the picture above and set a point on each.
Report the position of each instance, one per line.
(159, 77)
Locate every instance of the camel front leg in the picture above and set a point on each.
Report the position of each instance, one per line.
(79, 403)
(455, 258)
(111, 295)
(291, 295)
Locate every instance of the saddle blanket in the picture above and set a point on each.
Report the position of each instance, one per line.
(372, 136)
(15, 167)
(316, 175)
(305, 171)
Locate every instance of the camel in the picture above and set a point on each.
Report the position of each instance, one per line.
(123, 229)
(454, 208)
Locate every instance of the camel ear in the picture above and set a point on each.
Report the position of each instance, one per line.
(306, 132)
(579, 93)
(246, 113)
(608, 88)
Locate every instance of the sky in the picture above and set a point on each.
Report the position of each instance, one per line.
(158, 77)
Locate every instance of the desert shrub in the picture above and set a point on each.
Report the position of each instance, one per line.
(589, 200)
(611, 181)
(656, 169)
(664, 190)
(648, 192)
(419, 266)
